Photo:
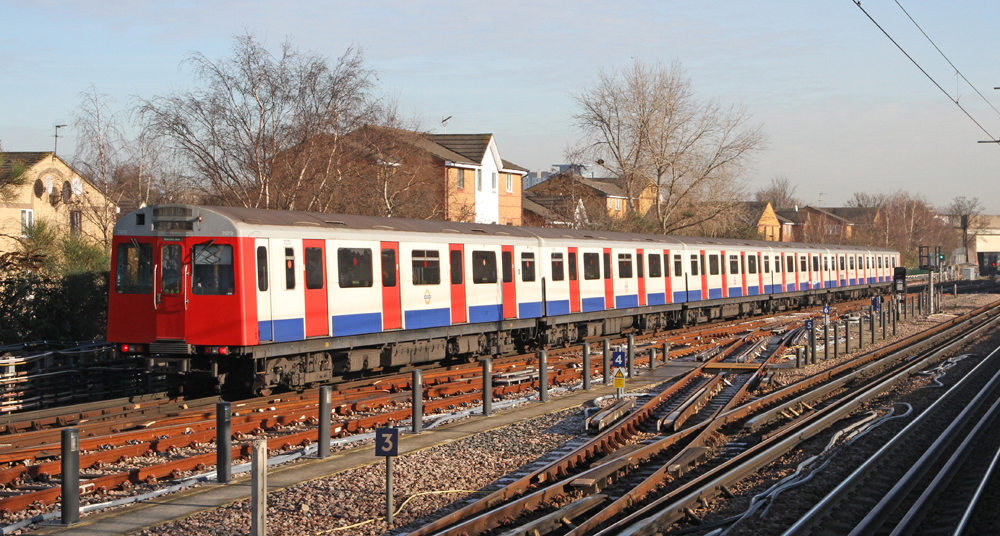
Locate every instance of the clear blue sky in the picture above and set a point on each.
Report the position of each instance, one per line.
(844, 109)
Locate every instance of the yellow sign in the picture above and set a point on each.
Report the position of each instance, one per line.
(619, 383)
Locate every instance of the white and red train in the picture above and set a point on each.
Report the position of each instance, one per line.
(255, 299)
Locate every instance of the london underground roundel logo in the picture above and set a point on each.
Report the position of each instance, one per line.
(427, 297)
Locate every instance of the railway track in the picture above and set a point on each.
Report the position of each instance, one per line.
(623, 483)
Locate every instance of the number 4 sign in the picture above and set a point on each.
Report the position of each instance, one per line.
(387, 442)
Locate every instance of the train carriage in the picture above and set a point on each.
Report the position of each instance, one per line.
(257, 299)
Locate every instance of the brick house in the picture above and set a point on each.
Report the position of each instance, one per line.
(566, 198)
(481, 186)
(53, 192)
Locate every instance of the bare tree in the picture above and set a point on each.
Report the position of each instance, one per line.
(101, 155)
(966, 215)
(254, 106)
(780, 193)
(644, 125)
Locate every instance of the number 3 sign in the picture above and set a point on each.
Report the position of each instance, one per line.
(387, 442)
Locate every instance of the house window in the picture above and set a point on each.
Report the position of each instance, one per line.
(618, 204)
(27, 221)
(510, 182)
(493, 182)
(75, 222)
(479, 180)
(460, 178)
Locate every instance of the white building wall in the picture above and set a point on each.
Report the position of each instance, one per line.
(488, 197)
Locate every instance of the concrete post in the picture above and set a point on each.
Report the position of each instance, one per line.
(871, 322)
(586, 365)
(826, 337)
(258, 487)
(223, 442)
(836, 340)
(70, 487)
(630, 356)
(487, 387)
(417, 403)
(799, 356)
(325, 401)
(861, 332)
(606, 366)
(652, 358)
(882, 320)
(895, 316)
(666, 352)
(812, 346)
(543, 376)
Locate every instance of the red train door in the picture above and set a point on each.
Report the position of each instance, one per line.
(704, 276)
(459, 313)
(171, 275)
(609, 284)
(509, 294)
(574, 281)
(725, 274)
(760, 275)
(392, 317)
(316, 300)
(667, 274)
(640, 267)
(743, 271)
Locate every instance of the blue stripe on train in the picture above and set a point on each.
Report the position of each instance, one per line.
(735, 292)
(714, 293)
(427, 318)
(356, 324)
(485, 313)
(592, 304)
(558, 307)
(289, 329)
(656, 298)
(694, 295)
(264, 330)
(680, 296)
(624, 302)
(529, 310)
(753, 290)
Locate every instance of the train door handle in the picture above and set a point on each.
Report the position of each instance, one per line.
(156, 296)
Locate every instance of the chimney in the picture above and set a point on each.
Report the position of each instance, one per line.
(796, 208)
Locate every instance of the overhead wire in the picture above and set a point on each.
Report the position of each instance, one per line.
(957, 71)
(929, 77)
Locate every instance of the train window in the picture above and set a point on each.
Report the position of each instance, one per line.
(134, 270)
(213, 270)
(880, 261)
(826, 263)
(703, 264)
(558, 268)
(815, 264)
(388, 268)
(591, 266)
(790, 265)
(713, 264)
(625, 265)
(426, 267)
(654, 266)
(289, 268)
(262, 268)
(527, 267)
(678, 266)
(841, 263)
(354, 267)
(752, 264)
(171, 262)
(607, 266)
(484, 267)
(572, 266)
(767, 264)
(456, 266)
(803, 264)
(314, 268)
(743, 263)
(734, 264)
(777, 264)
(694, 265)
(507, 259)
(639, 265)
(850, 262)
(893, 261)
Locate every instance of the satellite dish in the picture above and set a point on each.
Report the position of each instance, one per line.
(77, 187)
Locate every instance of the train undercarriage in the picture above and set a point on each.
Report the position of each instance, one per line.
(303, 364)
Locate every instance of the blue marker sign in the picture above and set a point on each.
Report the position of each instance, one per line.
(387, 442)
(618, 359)
(826, 309)
(809, 324)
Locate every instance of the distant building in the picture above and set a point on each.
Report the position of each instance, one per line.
(55, 193)
(825, 224)
(567, 200)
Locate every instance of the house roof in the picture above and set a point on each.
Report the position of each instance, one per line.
(799, 217)
(27, 158)
(857, 215)
(472, 146)
(507, 164)
(531, 206)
